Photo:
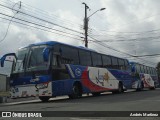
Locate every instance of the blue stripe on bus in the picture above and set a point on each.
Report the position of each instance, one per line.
(29, 80)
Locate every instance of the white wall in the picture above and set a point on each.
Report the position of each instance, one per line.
(3, 82)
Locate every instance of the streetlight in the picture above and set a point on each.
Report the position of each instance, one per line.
(86, 19)
(96, 11)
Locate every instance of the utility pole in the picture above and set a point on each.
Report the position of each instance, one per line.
(86, 25)
(86, 19)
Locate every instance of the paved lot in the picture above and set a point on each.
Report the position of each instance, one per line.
(129, 101)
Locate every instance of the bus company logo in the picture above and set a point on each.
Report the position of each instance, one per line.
(21, 114)
(78, 72)
(6, 114)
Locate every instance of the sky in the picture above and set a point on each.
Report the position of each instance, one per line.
(128, 26)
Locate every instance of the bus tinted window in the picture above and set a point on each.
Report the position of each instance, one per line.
(138, 68)
(155, 72)
(115, 63)
(106, 61)
(126, 62)
(145, 69)
(85, 58)
(121, 63)
(69, 55)
(96, 58)
(142, 68)
(150, 70)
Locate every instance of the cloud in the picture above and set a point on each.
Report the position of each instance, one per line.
(120, 16)
(132, 16)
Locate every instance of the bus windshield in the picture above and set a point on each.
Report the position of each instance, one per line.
(21, 59)
(36, 60)
(30, 59)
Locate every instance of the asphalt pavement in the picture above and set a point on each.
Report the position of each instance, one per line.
(147, 100)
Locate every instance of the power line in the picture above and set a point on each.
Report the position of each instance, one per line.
(43, 20)
(124, 32)
(104, 45)
(146, 55)
(10, 21)
(41, 29)
(37, 11)
(129, 40)
(154, 31)
(39, 25)
(54, 18)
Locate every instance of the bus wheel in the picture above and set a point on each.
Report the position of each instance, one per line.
(120, 88)
(141, 87)
(44, 98)
(77, 91)
(96, 93)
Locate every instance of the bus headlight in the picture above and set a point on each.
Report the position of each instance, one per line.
(42, 86)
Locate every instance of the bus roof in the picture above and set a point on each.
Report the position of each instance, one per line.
(139, 64)
(52, 43)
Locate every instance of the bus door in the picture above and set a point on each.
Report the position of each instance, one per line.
(59, 75)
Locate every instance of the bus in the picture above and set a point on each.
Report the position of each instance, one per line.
(144, 76)
(50, 69)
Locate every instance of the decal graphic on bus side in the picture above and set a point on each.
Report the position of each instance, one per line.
(106, 81)
(147, 80)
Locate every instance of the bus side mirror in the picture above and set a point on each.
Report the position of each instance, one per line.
(46, 52)
(4, 58)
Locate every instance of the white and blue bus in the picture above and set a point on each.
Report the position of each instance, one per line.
(144, 76)
(50, 69)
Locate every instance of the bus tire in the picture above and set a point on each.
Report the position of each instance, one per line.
(77, 91)
(120, 87)
(141, 87)
(44, 98)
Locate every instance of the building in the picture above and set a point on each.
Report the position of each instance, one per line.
(4, 87)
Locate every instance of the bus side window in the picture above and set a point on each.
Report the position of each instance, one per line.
(69, 55)
(97, 60)
(107, 61)
(126, 65)
(56, 61)
(59, 71)
(85, 58)
(121, 64)
(115, 63)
